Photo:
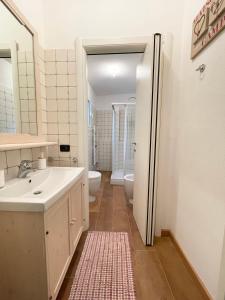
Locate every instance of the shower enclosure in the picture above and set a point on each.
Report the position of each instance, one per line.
(123, 134)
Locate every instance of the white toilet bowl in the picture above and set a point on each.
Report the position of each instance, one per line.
(129, 186)
(94, 179)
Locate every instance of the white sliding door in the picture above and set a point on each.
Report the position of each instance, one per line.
(146, 138)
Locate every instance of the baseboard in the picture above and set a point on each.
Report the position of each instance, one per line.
(205, 292)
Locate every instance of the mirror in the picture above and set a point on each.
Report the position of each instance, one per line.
(18, 106)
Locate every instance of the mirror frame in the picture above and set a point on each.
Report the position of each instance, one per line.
(27, 138)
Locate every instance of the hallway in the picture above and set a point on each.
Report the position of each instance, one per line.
(159, 271)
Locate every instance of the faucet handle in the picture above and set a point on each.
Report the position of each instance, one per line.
(26, 164)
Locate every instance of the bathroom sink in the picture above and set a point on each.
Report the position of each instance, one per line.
(39, 190)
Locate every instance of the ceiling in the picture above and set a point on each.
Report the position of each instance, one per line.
(113, 73)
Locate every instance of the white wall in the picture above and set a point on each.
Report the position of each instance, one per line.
(106, 18)
(191, 184)
(13, 30)
(33, 10)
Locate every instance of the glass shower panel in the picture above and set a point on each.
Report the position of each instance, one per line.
(122, 141)
(130, 138)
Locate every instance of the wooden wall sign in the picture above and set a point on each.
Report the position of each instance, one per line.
(207, 24)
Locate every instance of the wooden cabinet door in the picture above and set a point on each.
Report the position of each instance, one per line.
(76, 216)
(57, 244)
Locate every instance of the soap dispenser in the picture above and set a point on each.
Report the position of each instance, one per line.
(41, 162)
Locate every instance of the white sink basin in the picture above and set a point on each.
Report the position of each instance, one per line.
(39, 190)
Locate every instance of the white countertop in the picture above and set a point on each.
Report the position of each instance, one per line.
(53, 182)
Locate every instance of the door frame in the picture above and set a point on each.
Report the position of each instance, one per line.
(83, 48)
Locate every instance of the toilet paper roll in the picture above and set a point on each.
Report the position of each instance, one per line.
(2, 178)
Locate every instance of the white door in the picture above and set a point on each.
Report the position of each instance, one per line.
(146, 132)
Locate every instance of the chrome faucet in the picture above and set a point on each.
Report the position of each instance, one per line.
(25, 168)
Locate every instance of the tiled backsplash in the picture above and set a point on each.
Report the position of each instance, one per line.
(10, 160)
(61, 103)
(104, 139)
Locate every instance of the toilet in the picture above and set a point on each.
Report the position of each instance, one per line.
(129, 186)
(94, 179)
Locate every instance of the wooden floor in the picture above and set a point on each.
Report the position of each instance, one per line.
(159, 271)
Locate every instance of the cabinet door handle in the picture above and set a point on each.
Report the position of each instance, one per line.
(74, 219)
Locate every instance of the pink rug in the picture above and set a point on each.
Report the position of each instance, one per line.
(105, 268)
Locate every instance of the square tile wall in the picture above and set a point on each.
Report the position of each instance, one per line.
(7, 110)
(27, 95)
(104, 139)
(61, 104)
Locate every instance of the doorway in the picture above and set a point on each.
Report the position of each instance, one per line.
(147, 121)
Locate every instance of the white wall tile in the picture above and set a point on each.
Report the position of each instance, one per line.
(64, 139)
(63, 117)
(72, 80)
(26, 154)
(50, 68)
(62, 92)
(53, 128)
(49, 55)
(61, 68)
(30, 68)
(63, 128)
(61, 55)
(3, 163)
(62, 80)
(71, 68)
(52, 117)
(71, 55)
(13, 158)
(63, 105)
(72, 92)
(50, 80)
(52, 105)
(51, 92)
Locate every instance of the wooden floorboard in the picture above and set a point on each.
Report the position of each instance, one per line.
(159, 271)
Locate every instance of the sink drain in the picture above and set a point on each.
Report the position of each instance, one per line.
(37, 192)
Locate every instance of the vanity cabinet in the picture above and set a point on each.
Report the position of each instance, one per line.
(37, 247)
(57, 238)
(63, 225)
(75, 209)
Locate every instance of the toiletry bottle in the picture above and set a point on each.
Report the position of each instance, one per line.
(41, 162)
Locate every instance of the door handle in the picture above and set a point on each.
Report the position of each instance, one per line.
(134, 144)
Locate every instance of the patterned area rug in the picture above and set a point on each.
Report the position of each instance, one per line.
(105, 268)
